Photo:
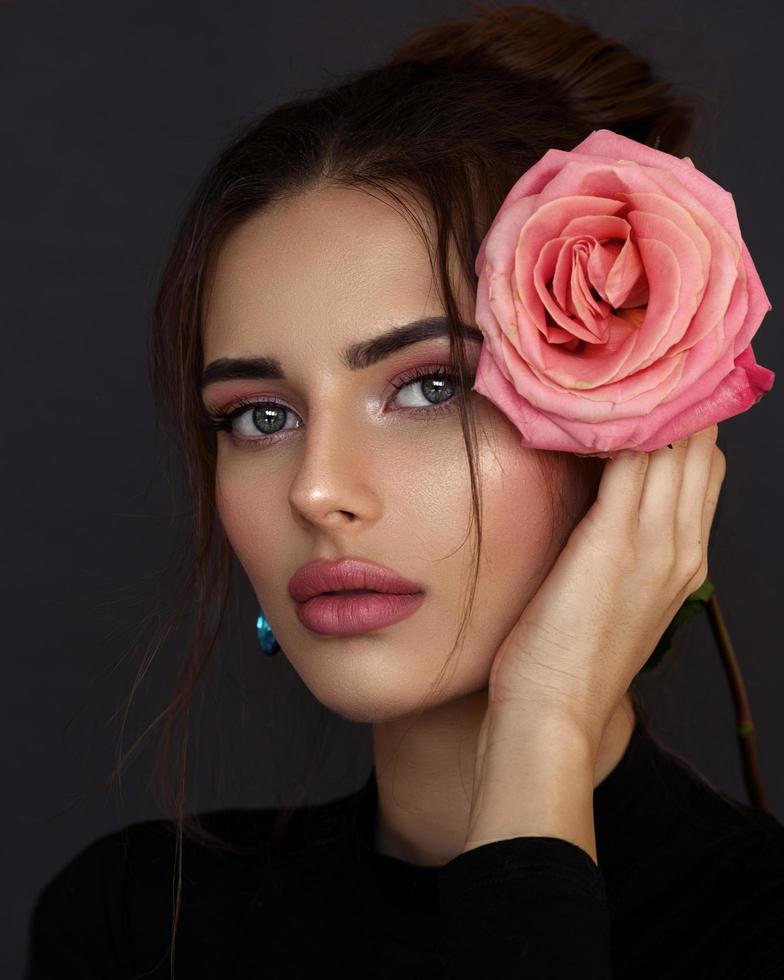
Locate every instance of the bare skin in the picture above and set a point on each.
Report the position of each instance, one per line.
(354, 471)
(423, 818)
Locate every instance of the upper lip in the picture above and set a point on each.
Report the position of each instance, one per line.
(347, 573)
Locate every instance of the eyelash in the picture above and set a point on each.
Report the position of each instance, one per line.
(223, 420)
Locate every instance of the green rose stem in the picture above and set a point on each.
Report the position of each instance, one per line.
(705, 598)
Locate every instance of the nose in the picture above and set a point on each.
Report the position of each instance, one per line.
(333, 485)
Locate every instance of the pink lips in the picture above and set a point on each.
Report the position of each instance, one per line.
(390, 598)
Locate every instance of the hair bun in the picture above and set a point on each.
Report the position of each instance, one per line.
(597, 80)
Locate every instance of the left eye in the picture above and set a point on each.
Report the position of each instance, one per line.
(436, 384)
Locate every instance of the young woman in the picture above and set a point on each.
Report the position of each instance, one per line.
(314, 344)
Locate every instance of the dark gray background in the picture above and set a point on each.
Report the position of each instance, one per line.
(110, 112)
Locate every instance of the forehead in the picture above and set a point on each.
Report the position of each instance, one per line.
(322, 268)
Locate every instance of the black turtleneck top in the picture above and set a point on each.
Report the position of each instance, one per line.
(690, 883)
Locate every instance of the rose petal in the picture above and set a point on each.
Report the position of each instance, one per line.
(610, 363)
(661, 331)
(589, 310)
(558, 258)
(724, 260)
(605, 143)
(543, 225)
(649, 328)
(497, 248)
(736, 392)
(594, 403)
(600, 263)
(757, 299)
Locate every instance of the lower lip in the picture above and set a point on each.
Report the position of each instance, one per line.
(352, 615)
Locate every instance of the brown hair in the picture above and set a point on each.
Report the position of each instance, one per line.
(452, 119)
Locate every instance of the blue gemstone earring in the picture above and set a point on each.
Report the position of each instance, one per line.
(266, 637)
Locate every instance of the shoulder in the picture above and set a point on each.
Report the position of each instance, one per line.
(145, 849)
(709, 884)
(73, 923)
(111, 903)
(712, 831)
(744, 836)
(103, 860)
(748, 897)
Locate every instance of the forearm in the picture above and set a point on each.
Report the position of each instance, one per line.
(535, 779)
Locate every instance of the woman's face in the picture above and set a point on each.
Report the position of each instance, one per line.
(354, 466)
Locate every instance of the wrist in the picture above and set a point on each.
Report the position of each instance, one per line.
(535, 777)
(512, 723)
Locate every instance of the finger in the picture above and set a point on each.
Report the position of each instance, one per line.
(715, 482)
(620, 488)
(697, 471)
(659, 499)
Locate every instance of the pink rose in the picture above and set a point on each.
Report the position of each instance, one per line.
(618, 301)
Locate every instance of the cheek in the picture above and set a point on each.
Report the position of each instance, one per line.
(517, 524)
(427, 497)
(251, 512)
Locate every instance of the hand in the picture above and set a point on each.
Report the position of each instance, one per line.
(624, 572)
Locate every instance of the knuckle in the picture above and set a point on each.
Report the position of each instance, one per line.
(711, 433)
(712, 501)
(664, 557)
(697, 579)
(679, 448)
(639, 461)
(693, 563)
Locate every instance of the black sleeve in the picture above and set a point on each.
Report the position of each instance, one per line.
(526, 907)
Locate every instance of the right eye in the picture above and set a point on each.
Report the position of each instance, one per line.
(263, 416)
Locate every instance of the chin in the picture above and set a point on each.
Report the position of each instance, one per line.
(368, 707)
(387, 696)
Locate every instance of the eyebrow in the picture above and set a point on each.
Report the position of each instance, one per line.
(355, 357)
